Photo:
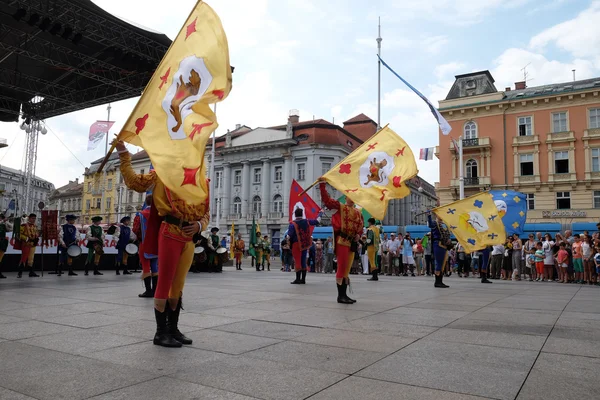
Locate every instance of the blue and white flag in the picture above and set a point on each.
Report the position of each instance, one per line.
(427, 153)
(512, 208)
(444, 125)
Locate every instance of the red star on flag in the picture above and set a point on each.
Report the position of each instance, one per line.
(191, 28)
(219, 93)
(189, 176)
(164, 78)
(397, 181)
(345, 168)
(197, 128)
(140, 124)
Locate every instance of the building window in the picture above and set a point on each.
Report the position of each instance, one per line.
(130, 197)
(472, 169)
(595, 118)
(237, 205)
(98, 203)
(142, 171)
(109, 184)
(218, 179)
(470, 130)
(525, 126)
(559, 122)
(526, 164)
(596, 198)
(237, 177)
(595, 160)
(89, 186)
(140, 197)
(257, 175)
(256, 205)
(563, 200)
(87, 204)
(561, 162)
(301, 172)
(531, 201)
(278, 174)
(277, 204)
(325, 167)
(108, 200)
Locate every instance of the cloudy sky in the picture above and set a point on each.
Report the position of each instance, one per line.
(320, 57)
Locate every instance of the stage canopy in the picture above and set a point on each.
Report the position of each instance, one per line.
(72, 55)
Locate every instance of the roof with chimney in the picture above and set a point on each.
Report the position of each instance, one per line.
(73, 188)
(472, 84)
(552, 89)
(359, 119)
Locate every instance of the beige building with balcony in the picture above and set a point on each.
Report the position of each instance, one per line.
(543, 141)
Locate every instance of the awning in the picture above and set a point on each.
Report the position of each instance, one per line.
(543, 227)
(579, 227)
(322, 232)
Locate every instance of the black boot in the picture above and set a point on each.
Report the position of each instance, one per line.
(374, 277)
(347, 286)
(303, 279)
(86, 269)
(2, 276)
(298, 279)
(118, 266)
(148, 292)
(59, 270)
(154, 283)
(20, 273)
(125, 271)
(439, 281)
(172, 321)
(342, 298)
(484, 278)
(162, 336)
(32, 274)
(71, 273)
(96, 272)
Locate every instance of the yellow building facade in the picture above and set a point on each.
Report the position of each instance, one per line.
(100, 191)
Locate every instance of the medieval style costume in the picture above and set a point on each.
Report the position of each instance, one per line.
(239, 248)
(266, 253)
(124, 236)
(301, 240)
(214, 263)
(149, 261)
(440, 243)
(95, 245)
(67, 236)
(171, 227)
(258, 247)
(347, 222)
(373, 248)
(29, 241)
(5, 226)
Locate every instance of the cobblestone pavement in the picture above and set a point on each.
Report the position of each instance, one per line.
(258, 337)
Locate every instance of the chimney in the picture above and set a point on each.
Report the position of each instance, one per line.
(520, 85)
(507, 89)
(294, 116)
(76, 180)
(238, 126)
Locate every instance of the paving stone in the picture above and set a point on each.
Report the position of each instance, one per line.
(497, 339)
(577, 347)
(6, 394)
(205, 320)
(143, 330)
(169, 388)
(13, 305)
(560, 377)
(426, 364)
(27, 329)
(336, 359)
(259, 378)
(374, 342)
(369, 325)
(269, 329)
(522, 328)
(584, 306)
(316, 316)
(51, 375)
(77, 342)
(356, 388)
(89, 320)
(7, 319)
(567, 332)
(91, 307)
(227, 342)
(240, 313)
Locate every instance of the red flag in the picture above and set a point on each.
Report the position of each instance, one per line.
(306, 203)
(97, 132)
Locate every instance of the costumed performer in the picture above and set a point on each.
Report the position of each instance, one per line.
(240, 246)
(372, 248)
(67, 236)
(347, 222)
(29, 241)
(124, 235)
(266, 254)
(95, 244)
(440, 243)
(5, 226)
(149, 261)
(301, 240)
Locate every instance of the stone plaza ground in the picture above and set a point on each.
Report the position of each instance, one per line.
(258, 337)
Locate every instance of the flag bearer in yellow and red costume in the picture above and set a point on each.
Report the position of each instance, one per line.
(347, 222)
(29, 241)
(172, 122)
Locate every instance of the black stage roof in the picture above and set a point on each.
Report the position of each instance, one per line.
(71, 53)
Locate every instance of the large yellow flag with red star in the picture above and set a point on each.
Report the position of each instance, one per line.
(172, 120)
(375, 172)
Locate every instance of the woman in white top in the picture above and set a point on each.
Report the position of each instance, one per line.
(588, 262)
(547, 246)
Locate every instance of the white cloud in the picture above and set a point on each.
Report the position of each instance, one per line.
(434, 44)
(579, 36)
(429, 44)
(451, 68)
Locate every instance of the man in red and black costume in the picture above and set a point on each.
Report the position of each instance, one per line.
(301, 240)
(347, 222)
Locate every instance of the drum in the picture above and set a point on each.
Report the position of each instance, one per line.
(131, 249)
(74, 251)
(198, 250)
(200, 253)
(223, 255)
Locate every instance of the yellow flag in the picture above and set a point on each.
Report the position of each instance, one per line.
(172, 120)
(232, 242)
(375, 172)
(474, 221)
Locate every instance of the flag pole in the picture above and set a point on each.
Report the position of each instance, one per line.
(102, 204)
(212, 172)
(461, 178)
(379, 76)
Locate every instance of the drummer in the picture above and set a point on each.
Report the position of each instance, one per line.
(266, 253)
(95, 245)
(213, 245)
(201, 239)
(67, 236)
(239, 248)
(124, 235)
(257, 251)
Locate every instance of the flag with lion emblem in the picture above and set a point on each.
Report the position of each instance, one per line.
(375, 172)
(172, 120)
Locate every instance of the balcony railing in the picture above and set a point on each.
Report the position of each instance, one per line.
(275, 215)
(470, 142)
(471, 181)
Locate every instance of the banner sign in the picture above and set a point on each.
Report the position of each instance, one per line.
(51, 246)
(49, 227)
